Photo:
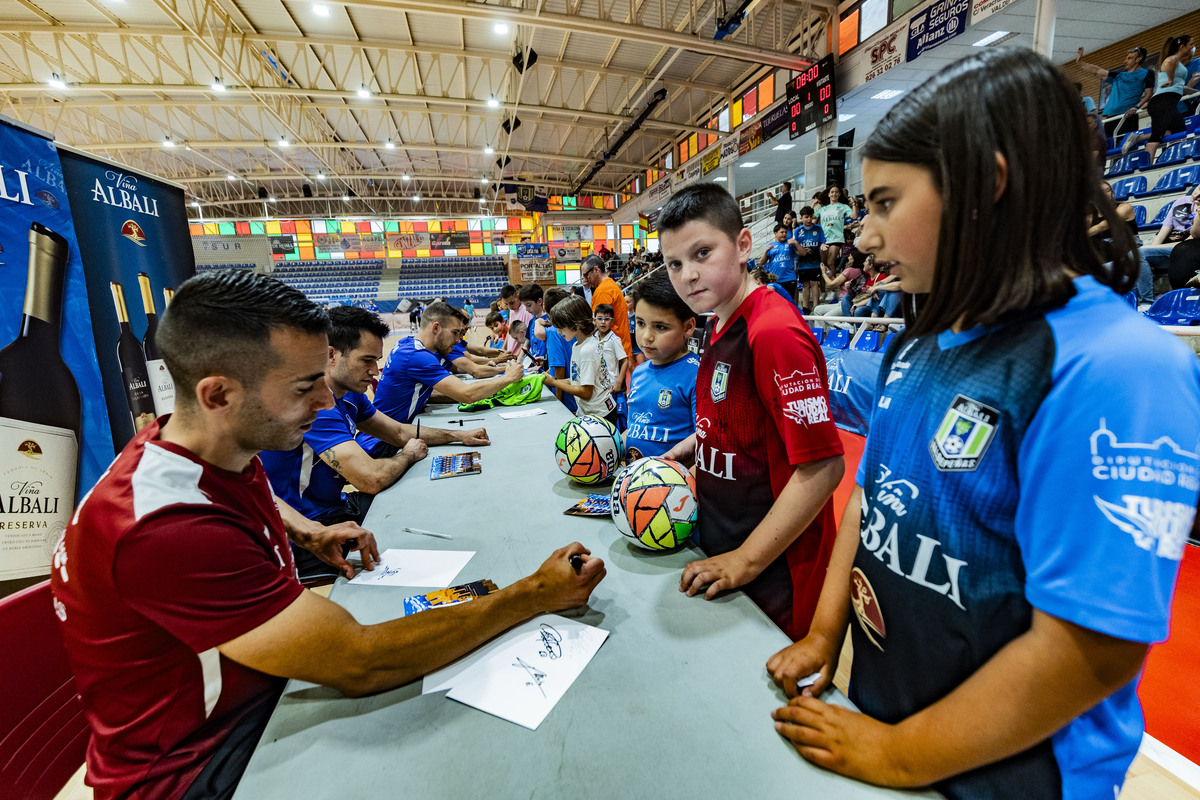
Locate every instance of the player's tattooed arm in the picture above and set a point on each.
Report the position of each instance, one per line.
(330, 458)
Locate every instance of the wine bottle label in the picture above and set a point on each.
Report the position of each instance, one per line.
(37, 494)
(162, 386)
(137, 394)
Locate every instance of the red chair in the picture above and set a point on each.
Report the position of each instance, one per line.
(43, 733)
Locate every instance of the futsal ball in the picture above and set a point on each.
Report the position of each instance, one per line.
(588, 449)
(654, 503)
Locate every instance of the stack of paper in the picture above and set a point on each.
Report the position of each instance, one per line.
(521, 675)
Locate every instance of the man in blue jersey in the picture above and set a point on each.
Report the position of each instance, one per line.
(780, 259)
(662, 393)
(1132, 84)
(419, 366)
(309, 479)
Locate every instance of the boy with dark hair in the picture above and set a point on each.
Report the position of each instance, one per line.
(810, 241)
(662, 392)
(767, 454)
(592, 368)
(531, 297)
(780, 258)
(558, 347)
(602, 316)
(499, 328)
(510, 300)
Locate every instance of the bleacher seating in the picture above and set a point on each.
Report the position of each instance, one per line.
(1158, 220)
(348, 281)
(868, 342)
(887, 340)
(210, 267)
(819, 334)
(1178, 307)
(457, 278)
(1126, 188)
(1127, 164)
(837, 339)
(1175, 181)
(1178, 153)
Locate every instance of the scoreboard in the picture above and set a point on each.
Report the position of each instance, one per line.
(811, 98)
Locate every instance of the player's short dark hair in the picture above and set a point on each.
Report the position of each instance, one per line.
(656, 289)
(347, 324)
(573, 312)
(779, 227)
(492, 318)
(530, 291)
(807, 210)
(441, 313)
(705, 202)
(508, 291)
(554, 296)
(220, 323)
(603, 308)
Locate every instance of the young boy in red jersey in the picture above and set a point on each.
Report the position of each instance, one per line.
(767, 454)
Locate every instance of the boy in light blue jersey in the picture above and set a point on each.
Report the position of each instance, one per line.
(662, 394)
(780, 258)
(810, 241)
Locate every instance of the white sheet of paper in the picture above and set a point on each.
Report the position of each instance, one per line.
(528, 412)
(415, 568)
(445, 678)
(526, 677)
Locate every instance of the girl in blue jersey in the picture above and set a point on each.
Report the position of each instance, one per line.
(1025, 493)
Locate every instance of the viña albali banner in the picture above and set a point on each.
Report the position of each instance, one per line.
(54, 432)
(133, 234)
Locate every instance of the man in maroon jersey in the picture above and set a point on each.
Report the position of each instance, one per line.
(767, 454)
(174, 582)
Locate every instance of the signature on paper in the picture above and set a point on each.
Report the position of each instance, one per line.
(387, 573)
(536, 676)
(551, 642)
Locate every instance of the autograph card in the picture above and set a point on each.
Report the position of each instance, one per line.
(415, 568)
(532, 667)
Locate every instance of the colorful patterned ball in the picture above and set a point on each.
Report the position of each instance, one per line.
(654, 503)
(588, 449)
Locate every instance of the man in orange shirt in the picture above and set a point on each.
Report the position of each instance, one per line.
(605, 290)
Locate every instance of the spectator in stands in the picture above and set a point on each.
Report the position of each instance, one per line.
(848, 284)
(1175, 229)
(469, 310)
(180, 612)
(558, 347)
(309, 477)
(1191, 92)
(780, 258)
(810, 243)
(414, 317)
(819, 201)
(593, 370)
(418, 367)
(865, 303)
(783, 203)
(1101, 239)
(605, 290)
(833, 219)
(1132, 85)
(1043, 553)
(1165, 118)
(769, 279)
(511, 300)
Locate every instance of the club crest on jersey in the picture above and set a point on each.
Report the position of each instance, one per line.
(866, 607)
(963, 435)
(720, 381)
(664, 398)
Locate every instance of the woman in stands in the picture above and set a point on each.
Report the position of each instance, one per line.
(1165, 118)
(1013, 562)
(1098, 233)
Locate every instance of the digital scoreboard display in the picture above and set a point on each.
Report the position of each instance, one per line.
(811, 98)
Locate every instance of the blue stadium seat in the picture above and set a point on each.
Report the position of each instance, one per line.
(1139, 216)
(1129, 187)
(1176, 180)
(819, 334)
(1175, 154)
(1179, 307)
(887, 340)
(868, 342)
(1127, 164)
(1131, 298)
(837, 339)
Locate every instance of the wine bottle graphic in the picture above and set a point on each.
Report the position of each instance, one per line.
(134, 379)
(40, 418)
(162, 386)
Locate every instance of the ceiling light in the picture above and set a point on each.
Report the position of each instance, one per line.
(719, 179)
(887, 94)
(389, 144)
(492, 102)
(345, 198)
(487, 151)
(364, 92)
(217, 86)
(500, 27)
(271, 199)
(990, 38)
(320, 176)
(483, 200)
(167, 142)
(231, 177)
(783, 147)
(406, 177)
(844, 117)
(748, 164)
(483, 180)
(416, 198)
(56, 82)
(283, 142)
(195, 204)
(320, 9)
